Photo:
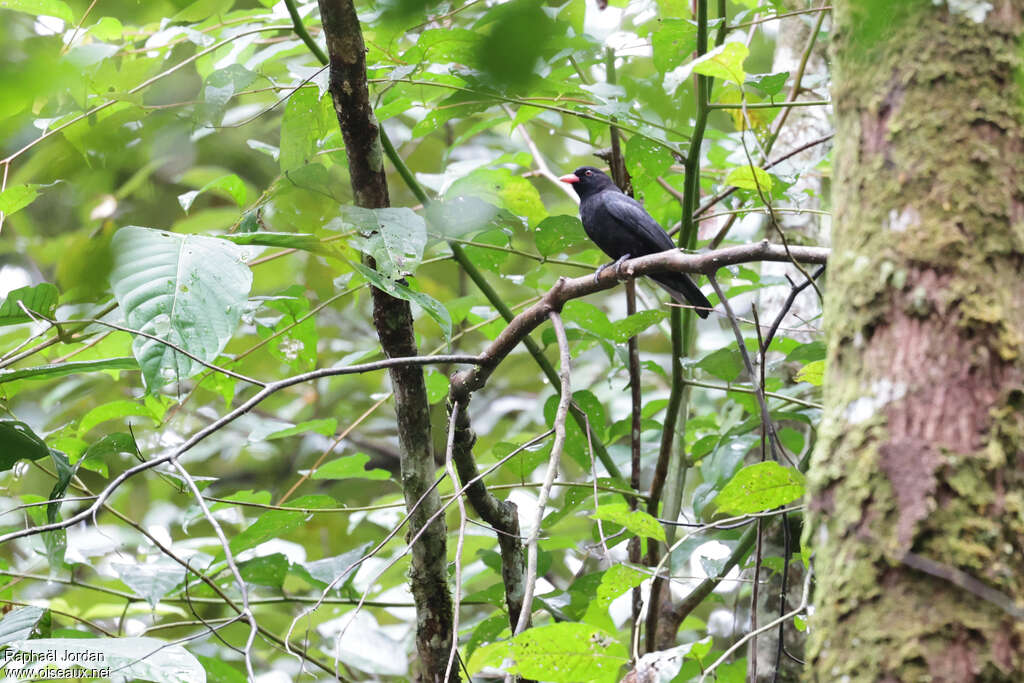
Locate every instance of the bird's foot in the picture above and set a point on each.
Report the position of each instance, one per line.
(597, 273)
(618, 265)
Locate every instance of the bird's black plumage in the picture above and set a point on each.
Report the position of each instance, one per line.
(620, 226)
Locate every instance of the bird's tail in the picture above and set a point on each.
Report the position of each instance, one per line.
(683, 290)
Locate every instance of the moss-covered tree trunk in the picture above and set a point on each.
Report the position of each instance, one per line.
(917, 509)
(392, 317)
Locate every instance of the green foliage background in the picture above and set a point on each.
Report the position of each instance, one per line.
(210, 118)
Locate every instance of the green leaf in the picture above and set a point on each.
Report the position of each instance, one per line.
(46, 8)
(589, 317)
(150, 580)
(644, 157)
(112, 411)
(565, 652)
(40, 299)
(19, 623)
(284, 240)
(397, 241)
(146, 659)
(673, 41)
(557, 234)
(324, 426)
(437, 386)
(432, 306)
(219, 88)
(812, 373)
(769, 84)
(302, 127)
(623, 330)
(295, 337)
(459, 216)
(491, 259)
(725, 363)
(187, 289)
(504, 189)
(18, 441)
(807, 352)
(203, 9)
(725, 62)
(107, 29)
(269, 570)
(637, 521)
(442, 46)
(95, 456)
(17, 197)
(276, 523)
(750, 178)
(763, 486)
(615, 581)
(70, 368)
(219, 671)
(230, 185)
(349, 467)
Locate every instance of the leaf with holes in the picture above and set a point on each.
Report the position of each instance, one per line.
(185, 289)
(760, 487)
(564, 652)
(636, 521)
(397, 239)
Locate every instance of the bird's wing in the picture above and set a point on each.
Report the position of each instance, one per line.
(631, 214)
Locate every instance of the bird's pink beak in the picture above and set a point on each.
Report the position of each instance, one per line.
(571, 178)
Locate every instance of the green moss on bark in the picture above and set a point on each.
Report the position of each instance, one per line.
(922, 447)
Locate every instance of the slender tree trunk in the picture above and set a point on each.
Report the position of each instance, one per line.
(917, 506)
(393, 320)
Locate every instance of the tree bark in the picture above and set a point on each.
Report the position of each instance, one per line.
(917, 486)
(393, 320)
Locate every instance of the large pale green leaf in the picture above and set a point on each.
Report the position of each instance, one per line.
(186, 289)
(18, 624)
(151, 580)
(760, 487)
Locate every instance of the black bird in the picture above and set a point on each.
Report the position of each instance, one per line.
(620, 226)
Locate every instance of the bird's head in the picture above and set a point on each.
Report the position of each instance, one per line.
(587, 181)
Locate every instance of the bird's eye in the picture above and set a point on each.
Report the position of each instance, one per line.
(588, 173)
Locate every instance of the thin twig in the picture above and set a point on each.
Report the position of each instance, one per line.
(767, 627)
(450, 469)
(565, 397)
